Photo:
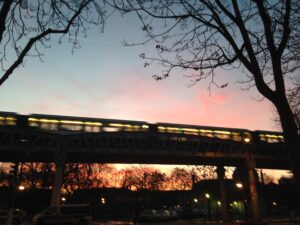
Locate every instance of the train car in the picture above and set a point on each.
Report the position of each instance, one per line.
(269, 136)
(234, 134)
(8, 118)
(83, 124)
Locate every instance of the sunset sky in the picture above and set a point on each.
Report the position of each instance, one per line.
(107, 80)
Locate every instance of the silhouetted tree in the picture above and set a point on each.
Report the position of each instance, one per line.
(77, 176)
(199, 173)
(5, 175)
(180, 179)
(26, 27)
(143, 177)
(259, 37)
(156, 180)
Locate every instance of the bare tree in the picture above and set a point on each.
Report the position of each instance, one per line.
(142, 177)
(259, 37)
(180, 179)
(26, 27)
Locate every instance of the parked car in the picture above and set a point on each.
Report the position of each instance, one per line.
(148, 215)
(173, 214)
(163, 214)
(19, 216)
(64, 214)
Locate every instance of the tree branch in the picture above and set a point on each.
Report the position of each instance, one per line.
(3, 15)
(42, 35)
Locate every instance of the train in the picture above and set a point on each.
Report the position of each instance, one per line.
(84, 124)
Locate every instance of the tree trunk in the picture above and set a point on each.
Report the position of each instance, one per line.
(291, 137)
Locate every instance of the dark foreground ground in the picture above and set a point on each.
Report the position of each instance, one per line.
(196, 221)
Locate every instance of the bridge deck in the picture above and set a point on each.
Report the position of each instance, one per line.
(29, 144)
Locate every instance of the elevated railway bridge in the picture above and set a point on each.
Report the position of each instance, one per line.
(62, 139)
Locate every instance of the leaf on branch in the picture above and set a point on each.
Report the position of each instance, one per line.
(156, 77)
(224, 85)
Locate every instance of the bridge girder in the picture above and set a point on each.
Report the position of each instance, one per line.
(30, 144)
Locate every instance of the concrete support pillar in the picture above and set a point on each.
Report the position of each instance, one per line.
(254, 203)
(58, 178)
(224, 202)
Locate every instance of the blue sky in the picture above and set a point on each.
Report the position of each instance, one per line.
(105, 79)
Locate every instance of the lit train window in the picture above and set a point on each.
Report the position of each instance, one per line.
(206, 133)
(247, 137)
(124, 127)
(161, 129)
(33, 122)
(175, 130)
(190, 131)
(262, 137)
(2, 120)
(72, 125)
(11, 121)
(92, 128)
(271, 138)
(49, 126)
(112, 129)
(144, 127)
(222, 134)
(236, 136)
(132, 128)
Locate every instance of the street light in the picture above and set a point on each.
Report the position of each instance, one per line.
(21, 188)
(207, 196)
(195, 200)
(239, 185)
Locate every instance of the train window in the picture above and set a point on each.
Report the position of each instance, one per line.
(174, 130)
(271, 138)
(124, 127)
(11, 121)
(222, 134)
(236, 136)
(145, 127)
(72, 127)
(190, 131)
(33, 124)
(92, 128)
(206, 133)
(128, 127)
(2, 120)
(49, 126)
(161, 129)
(247, 137)
(262, 137)
(112, 129)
